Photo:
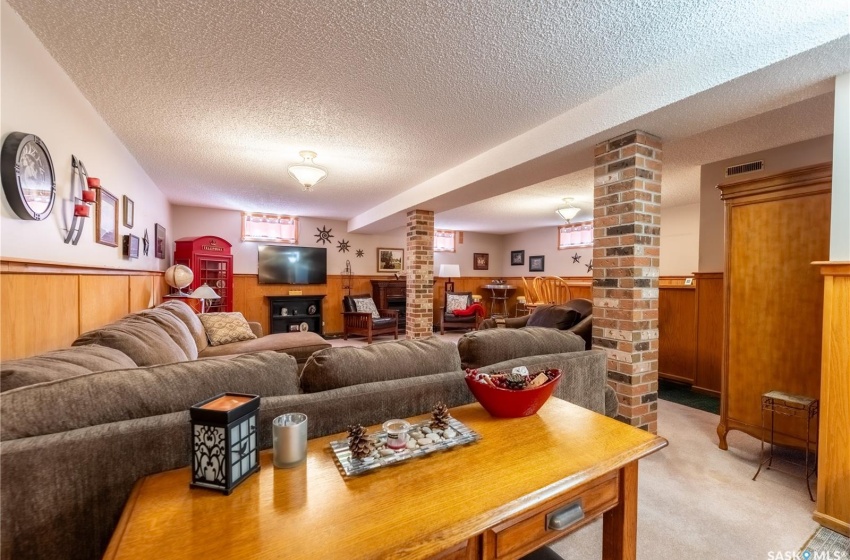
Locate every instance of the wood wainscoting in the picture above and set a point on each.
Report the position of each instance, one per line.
(833, 507)
(250, 296)
(690, 330)
(46, 306)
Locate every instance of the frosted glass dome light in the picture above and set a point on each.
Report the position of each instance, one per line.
(306, 172)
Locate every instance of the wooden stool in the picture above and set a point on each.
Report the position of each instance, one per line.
(796, 406)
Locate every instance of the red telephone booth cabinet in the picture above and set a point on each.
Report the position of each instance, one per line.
(211, 261)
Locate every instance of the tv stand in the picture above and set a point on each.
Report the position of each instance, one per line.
(298, 310)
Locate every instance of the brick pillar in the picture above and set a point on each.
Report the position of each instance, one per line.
(419, 264)
(626, 249)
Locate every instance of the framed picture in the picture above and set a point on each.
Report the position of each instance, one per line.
(106, 218)
(480, 261)
(535, 264)
(159, 241)
(517, 258)
(390, 260)
(129, 211)
(131, 246)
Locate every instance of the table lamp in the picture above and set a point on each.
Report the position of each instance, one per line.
(449, 271)
(203, 293)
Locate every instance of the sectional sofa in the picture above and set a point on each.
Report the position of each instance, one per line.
(71, 448)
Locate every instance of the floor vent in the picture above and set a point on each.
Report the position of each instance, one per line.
(744, 168)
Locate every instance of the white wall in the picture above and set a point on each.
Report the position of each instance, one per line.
(680, 240)
(39, 98)
(544, 241)
(777, 160)
(464, 254)
(839, 237)
(192, 222)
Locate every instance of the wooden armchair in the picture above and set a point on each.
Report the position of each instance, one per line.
(358, 318)
(450, 320)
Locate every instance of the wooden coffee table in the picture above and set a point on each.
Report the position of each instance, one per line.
(489, 499)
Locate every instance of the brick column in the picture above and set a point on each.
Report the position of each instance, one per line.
(419, 264)
(626, 249)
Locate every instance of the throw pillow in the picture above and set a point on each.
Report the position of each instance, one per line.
(224, 328)
(366, 305)
(553, 316)
(456, 301)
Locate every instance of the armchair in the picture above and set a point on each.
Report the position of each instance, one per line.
(458, 300)
(575, 316)
(361, 317)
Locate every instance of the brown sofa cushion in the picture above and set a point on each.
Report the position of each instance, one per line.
(144, 341)
(175, 328)
(339, 367)
(224, 328)
(113, 396)
(190, 319)
(554, 316)
(60, 364)
(299, 345)
(482, 348)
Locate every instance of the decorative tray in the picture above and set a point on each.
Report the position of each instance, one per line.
(352, 467)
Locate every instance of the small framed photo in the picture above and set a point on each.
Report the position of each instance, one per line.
(106, 218)
(390, 260)
(129, 211)
(689, 281)
(481, 261)
(294, 328)
(535, 263)
(517, 258)
(131, 246)
(159, 241)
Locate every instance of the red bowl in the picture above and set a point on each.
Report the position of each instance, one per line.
(505, 403)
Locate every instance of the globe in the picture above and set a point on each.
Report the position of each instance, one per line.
(179, 276)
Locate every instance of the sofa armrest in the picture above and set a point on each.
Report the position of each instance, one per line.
(256, 328)
(584, 329)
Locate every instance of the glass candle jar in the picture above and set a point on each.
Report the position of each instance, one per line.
(396, 433)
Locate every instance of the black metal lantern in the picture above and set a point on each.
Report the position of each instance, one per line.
(225, 449)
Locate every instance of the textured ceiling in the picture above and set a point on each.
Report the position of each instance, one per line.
(215, 98)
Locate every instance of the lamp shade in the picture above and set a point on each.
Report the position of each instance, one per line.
(449, 271)
(569, 211)
(306, 172)
(204, 292)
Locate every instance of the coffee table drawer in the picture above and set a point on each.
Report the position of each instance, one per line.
(530, 531)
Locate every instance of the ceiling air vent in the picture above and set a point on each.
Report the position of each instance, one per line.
(744, 168)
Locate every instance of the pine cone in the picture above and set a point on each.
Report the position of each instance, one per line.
(440, 417)
(516, 381)
(358, 442)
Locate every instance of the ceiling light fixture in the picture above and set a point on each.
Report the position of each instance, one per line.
(306, 172)
(569, 211)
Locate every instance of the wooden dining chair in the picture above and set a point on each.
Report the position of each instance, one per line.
(531, 298)
(551, 289)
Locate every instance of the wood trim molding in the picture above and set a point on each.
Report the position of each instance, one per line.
(807, 180)
(22, 266)
(833, 268)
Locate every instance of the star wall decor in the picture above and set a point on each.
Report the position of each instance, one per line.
(589, 265)
(343, 246)
(576, 258)
(324, 235)
(359, 253)
(146, 243)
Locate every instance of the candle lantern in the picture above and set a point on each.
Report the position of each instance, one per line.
(225, 448)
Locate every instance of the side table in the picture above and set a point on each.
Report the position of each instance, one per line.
(796, 406)
(499, 295)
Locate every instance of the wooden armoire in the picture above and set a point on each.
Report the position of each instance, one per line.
(776, 227)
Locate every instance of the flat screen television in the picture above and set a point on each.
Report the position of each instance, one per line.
(281, 264)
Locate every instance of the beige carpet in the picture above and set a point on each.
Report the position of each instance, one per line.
(696, 501)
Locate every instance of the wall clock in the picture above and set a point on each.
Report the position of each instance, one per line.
(29, 180)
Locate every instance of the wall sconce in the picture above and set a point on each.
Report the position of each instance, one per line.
(449, 271)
